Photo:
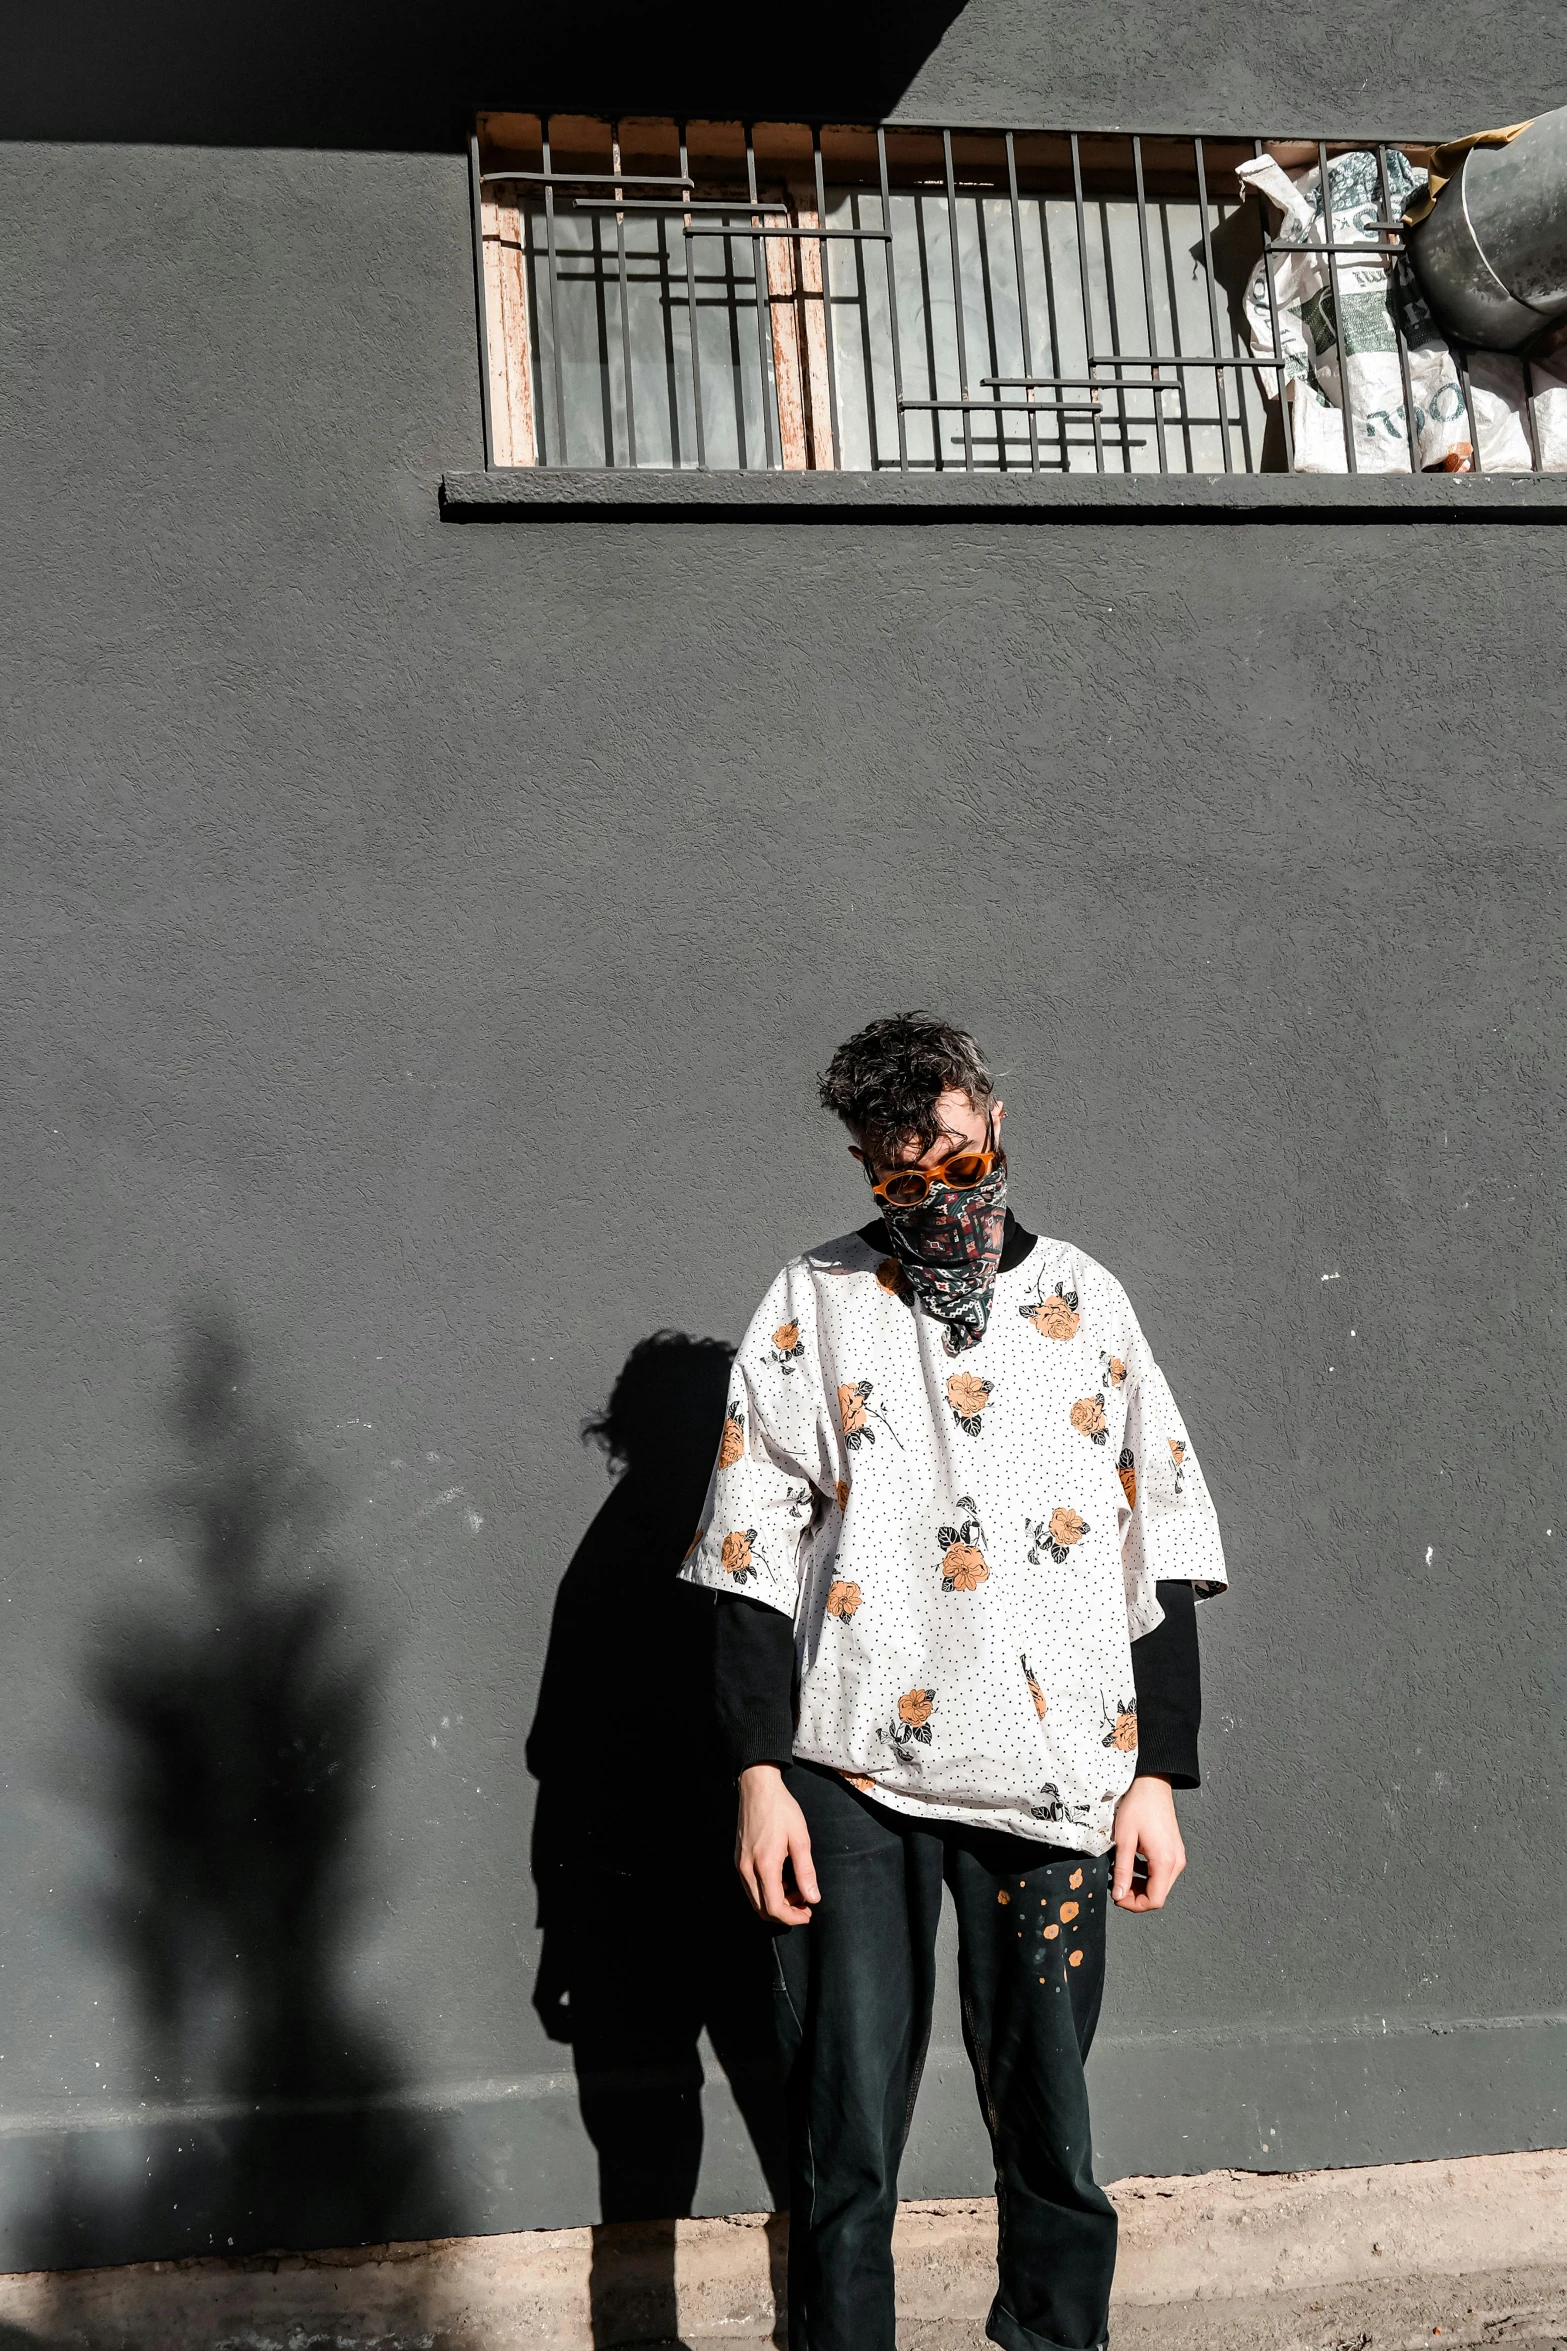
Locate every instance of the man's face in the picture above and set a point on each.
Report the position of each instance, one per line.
(959, 1127)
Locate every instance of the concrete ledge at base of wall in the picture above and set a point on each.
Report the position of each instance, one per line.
(1212, 2259)
(585, 494)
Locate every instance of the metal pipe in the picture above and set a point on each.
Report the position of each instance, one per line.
(1325, 187)
(827, 333)
(1213, 303)
(957, 297)
(1398, 330)
(1082, 272)
(481, 303)
(1153, 365)
(696, 339)
(549, 239)
(764, 339)
(625, 313)
(892, 302)
(1024, 333)
(1281, 380)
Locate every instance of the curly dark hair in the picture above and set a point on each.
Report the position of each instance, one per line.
(885, 1080)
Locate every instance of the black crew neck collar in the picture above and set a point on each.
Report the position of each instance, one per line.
(1017, 1241)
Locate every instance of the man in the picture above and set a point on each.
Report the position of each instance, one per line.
(959, 1528)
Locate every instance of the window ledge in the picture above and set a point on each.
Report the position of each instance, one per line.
(581, 494)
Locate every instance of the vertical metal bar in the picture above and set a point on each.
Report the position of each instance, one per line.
(1461, 354)
(764, 314)
(1242, 409)
(1122, 411)
(1280, 384)
(993, 359)
(824, 249)
(1213, 309)
(892, 303)
(957, 310)
(558, 454)
(857, 212)
(1153, 343)
(482, 311)
(1182, 382)
(1531, 422)
(1088, 323)
(1396, 314)
(1025, 337)
(663, 229)
(625, 303)
(1053, 324)
(1325, 187)
(696, 347)
(1088, 315)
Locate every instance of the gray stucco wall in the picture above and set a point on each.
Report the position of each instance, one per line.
(429, 936)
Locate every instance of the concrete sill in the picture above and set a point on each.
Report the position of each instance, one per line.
(580, 494)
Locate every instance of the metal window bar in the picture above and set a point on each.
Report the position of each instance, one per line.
(1050, 253)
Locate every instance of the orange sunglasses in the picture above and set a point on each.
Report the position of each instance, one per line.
(907, 1187)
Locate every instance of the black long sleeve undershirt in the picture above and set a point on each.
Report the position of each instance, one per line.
(753, 1656)
(753, 1674)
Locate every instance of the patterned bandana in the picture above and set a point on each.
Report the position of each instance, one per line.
(949, 1248)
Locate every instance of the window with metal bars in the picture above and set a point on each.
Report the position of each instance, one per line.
(778, 296)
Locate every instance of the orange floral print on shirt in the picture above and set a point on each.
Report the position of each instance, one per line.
(910, 1727)
(1177, 1447)
(856, 1412)
(968, 1396)
(1126, 1471)
(843, 1599)
(1034, 1690)
(1053, 1313)
(731, 1445)
(788, 1346)
(857, 1779)
(841, 1489)
(1088, 1418)
(963, 1566)
(1114, 1371)
(1055, 1536)
(1122, 1733)
(736, 1556)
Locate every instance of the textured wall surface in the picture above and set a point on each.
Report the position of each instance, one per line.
(428, 936)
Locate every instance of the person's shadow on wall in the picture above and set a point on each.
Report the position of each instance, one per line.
(648, 1937)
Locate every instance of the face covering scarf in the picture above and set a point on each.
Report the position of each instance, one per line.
(949, 1248)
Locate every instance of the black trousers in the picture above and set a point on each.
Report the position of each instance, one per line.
(854, 1996)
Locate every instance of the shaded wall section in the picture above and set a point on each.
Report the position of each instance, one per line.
(432, 934)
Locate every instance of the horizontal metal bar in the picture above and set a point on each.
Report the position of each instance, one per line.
(586, 179)
(796, 236)
(1026, 407)
(678, 204)
(1288, 245)
(1063, 407)
(1132, 359)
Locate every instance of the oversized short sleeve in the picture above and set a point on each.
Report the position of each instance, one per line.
(773, 1476)
(1169, 1529)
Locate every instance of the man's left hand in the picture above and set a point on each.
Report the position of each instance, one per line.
(1145, 1823)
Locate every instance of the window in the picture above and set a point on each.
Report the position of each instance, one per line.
(783, 297)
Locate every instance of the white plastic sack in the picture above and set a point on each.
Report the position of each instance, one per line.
(1309, 337)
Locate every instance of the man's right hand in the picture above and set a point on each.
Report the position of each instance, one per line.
(772, 1832)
